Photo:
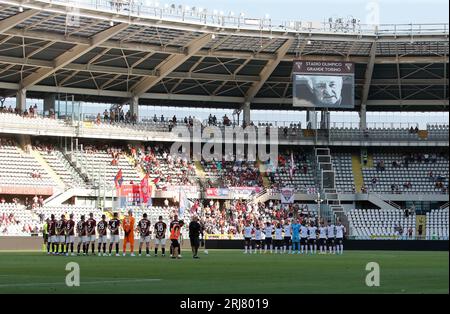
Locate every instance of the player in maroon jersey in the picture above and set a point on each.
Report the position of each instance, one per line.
(90, 228)
(82, 238)
(102, 228)
(113, 227)
(144, 230)
(61, 235)
(70, 235)
(160, 236)
(51, 245)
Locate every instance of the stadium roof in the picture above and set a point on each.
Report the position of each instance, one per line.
(166, 57)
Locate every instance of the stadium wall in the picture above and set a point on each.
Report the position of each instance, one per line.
(35, 243)
(363, 245)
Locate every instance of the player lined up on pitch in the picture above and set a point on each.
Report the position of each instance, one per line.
(295, 238)
(64, 233)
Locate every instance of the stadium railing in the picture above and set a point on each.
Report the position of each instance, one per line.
(194, 15)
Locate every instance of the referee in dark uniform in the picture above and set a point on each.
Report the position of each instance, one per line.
(195, 230)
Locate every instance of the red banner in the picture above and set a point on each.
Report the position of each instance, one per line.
(26, 190)
(145, 190)
(134, 194)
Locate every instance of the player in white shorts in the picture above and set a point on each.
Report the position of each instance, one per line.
(340, 232)
(61, 235)
(113, 226)
(248, 233)
(51, 244)
(258, 238)
(323, 239)
(287, 237)
(90, 228)
(102, 228)
(303, 238)
(70, 235)
(330, 238)
(312, 238)
(82, 238)
(268, 231)
(160, 236)
(278, 238)
(144, 232)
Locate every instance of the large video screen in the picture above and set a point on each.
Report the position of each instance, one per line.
(324, 84)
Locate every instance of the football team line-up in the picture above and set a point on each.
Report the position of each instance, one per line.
(281, 237)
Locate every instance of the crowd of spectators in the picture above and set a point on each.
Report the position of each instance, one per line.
(9, 225)
(116, 115)
(234, 173)
(31, 112)
(229, 219)
(439, 180)
(157, 161)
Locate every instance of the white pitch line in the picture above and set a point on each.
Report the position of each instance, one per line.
(81, 283)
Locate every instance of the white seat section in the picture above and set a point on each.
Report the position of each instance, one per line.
(437, 224)
(98, 163)
(380, 224)
(17, 167)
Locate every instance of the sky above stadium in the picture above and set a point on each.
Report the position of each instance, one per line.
(386, 11)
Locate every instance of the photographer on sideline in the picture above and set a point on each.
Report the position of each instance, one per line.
(195, 229)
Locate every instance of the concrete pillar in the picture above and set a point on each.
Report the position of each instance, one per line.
(363, 117)
(134, 106)
(49, 104)
(21, 100)
(325, 120)
(246, 113)
(311, 119)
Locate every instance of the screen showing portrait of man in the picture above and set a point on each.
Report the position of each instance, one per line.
(323, 91)
(327, 90)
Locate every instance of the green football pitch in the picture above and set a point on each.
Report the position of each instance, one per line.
(228, 271)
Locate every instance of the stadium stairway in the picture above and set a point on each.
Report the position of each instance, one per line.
(357, 172)
(381, 203)
(38, 157)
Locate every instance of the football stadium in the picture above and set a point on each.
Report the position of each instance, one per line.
(164, 148)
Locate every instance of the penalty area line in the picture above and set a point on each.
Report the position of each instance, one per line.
(81, 283)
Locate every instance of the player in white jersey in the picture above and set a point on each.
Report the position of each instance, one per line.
(268, 231)
(278, 238)
(303, 238)
(258, 238)
(330, 235)
(287, 237)
(248, 232)
(340, 232)
(312, 238)
(323, 238)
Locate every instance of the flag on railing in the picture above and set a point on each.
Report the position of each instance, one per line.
(118, 179)
(184, 202)
(145, 190)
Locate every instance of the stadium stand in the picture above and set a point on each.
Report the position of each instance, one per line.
(299, 176)
(162, 167)
(17, 167)
(381, 224)
(408, 173)
(342, 163)
(437, 224)
(56, 160)
(15, 220)
(102, 163)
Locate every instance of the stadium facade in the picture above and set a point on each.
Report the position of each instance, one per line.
(68, 53)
